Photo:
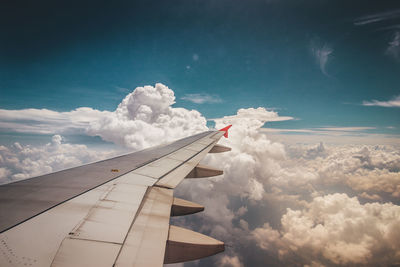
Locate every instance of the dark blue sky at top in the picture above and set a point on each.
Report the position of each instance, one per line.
(62, 55)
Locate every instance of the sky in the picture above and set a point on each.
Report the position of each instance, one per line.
(317, 61)
(311, 88)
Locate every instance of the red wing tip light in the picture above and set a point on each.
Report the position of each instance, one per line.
(225, 129)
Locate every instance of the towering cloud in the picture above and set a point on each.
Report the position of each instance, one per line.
(146, 117)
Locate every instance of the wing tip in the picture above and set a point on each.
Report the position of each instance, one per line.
(225, 129)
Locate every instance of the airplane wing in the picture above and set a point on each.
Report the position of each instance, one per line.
(114, 212)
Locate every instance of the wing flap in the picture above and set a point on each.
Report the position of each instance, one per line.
(186, 245)
(201, 171)
(109, 220)
(182, 207)
(83, 253)
(146, 240)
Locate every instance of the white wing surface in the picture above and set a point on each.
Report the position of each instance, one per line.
(110, 213)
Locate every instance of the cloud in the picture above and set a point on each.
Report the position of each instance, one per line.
(332, 135)
(323, 130)
(23, 161)
(252, 117)
(394, 46)
(346, 129)
(370, 197)
(389, 15)
(263, 179)
(307, 136)
(393, 103)
(276, 204)
(144, 118)
(322, 55)
(364, 169)
(44, 121)
(336, 229)
(226, 261)
(202, 98)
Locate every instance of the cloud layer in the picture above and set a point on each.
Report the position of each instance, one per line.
(277, 204)
(23, 161)
(336, 230)
(297, 204)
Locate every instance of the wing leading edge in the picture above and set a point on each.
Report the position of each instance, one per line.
(110, 213)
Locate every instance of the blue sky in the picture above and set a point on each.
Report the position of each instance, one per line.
(331, 69)
(316, 61)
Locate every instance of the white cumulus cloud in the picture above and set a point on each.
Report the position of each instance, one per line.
(337, 229)
(145, 117)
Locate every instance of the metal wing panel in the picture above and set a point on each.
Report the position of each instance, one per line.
(22, 200)
(159, 167)
(109, 220)
(37, 240)
(128, 214)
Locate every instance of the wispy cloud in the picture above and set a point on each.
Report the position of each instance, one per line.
(202, 98)
(322, 54)
(346, 129)
(394, 46)
(337, 131)
(393, 14)
(391, 27)
(332, 135)
(393, 103)
(259, 114)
